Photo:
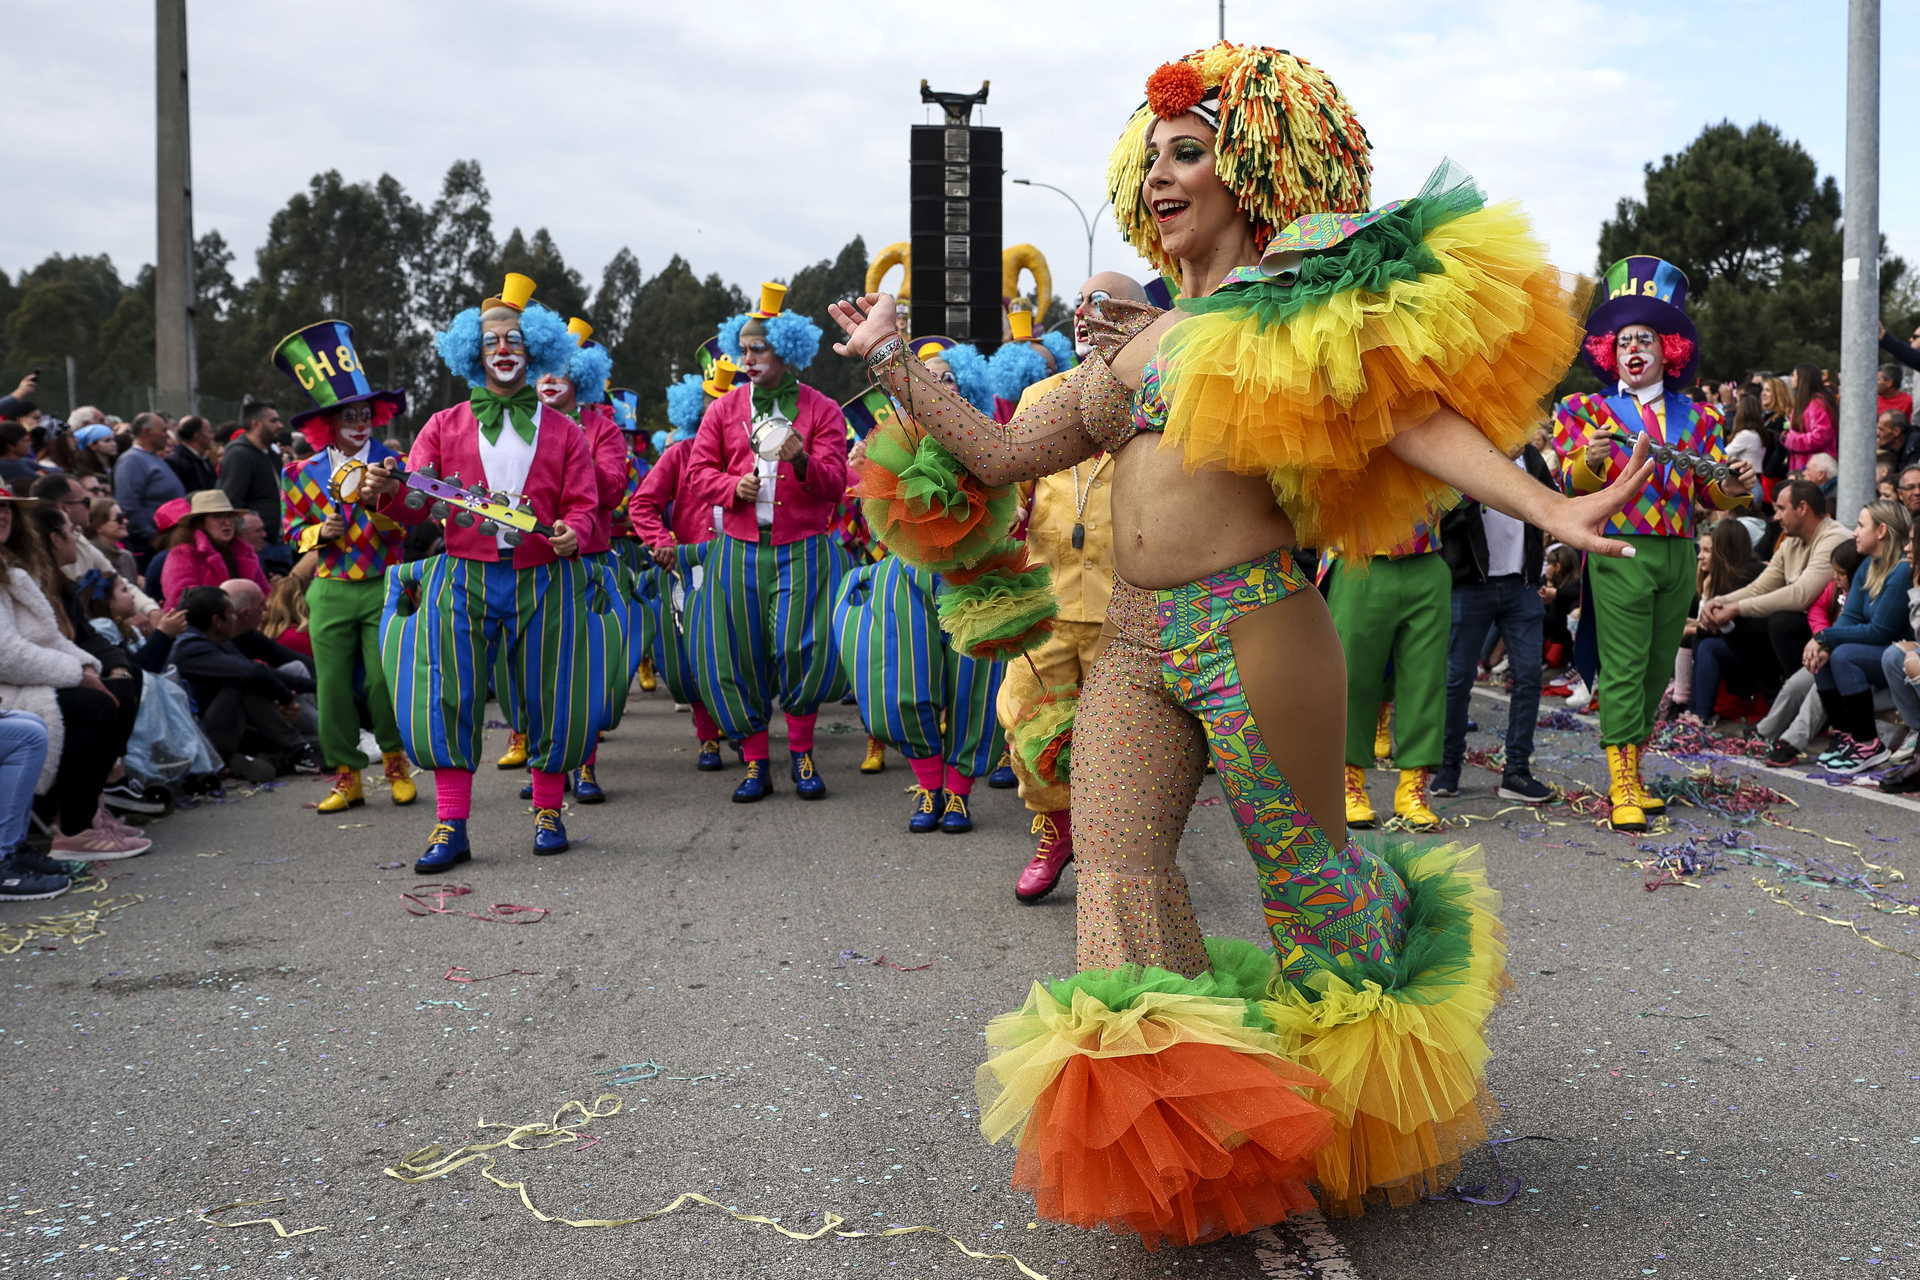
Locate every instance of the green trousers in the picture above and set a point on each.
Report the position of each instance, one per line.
(1642, 606)
(1399, 611)
(343, 621)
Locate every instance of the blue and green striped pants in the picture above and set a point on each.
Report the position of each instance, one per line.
(762, 629)
(664, 597)
(541, 640)
(909, 680)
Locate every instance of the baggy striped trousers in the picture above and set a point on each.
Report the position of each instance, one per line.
(908, 678)
(632, 564)
(665, 598)
(540, 639)
(762, 629)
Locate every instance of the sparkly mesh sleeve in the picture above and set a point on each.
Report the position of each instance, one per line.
(1069, 423)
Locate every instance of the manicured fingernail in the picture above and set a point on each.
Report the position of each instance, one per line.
(1629, 553)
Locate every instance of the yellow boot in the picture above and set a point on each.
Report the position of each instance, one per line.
(1650, 804)
(1410, 801)
(649, 680)
(876, 756)
(346, 793)
(1359, 808)
(1383, 733)
(1624, 792)
(516, 756)
(400, 786)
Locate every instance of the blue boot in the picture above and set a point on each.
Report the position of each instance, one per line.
(926, 810)
(549, 835)
(446, 848)
(709, 761)
(1003, 777)
(586, 789)
(807, 783)
(954, 819)
(757, 785)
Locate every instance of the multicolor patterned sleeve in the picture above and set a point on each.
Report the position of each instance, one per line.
(1576, 421)
(1709, 439)
(303, 507)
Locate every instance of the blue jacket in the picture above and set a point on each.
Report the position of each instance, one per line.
(1876, 620)
(142, 481)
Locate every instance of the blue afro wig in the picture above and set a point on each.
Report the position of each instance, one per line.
(793, 337)
(549, 346)
(660, 442)
(1062, 348)
(588, 371)
(972, 375)
(686, 402)
(1015, 367)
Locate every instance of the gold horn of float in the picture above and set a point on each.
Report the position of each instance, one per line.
(897, 254)
(1024, 257)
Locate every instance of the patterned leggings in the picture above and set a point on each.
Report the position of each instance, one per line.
(1166, 690)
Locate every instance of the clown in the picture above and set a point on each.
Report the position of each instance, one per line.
(1310, 390)
(355, 547)
(522, 617)
(675, 528)
(773, 456)
(1642, 340)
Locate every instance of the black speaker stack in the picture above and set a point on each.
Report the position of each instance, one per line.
(954, 226)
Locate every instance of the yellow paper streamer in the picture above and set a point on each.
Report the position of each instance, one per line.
(435, 1161)
(77, 927)
(207, 1215)
(1778, 895)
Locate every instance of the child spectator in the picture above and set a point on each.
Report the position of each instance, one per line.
(1845, 657)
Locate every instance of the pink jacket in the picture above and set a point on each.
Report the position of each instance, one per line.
(198, 563)
(561, 483)
(804, 505)
(1824, 611)
(608, 446)
(665, 486)
(1819, 436)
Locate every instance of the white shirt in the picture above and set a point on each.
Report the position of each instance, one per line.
(768, 470)
(1506, 537)
(506, 462)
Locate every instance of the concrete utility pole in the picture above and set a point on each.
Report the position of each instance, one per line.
(174, 365)
(1860, 270)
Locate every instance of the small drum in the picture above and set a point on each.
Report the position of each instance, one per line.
(768, 434)
(346, 481)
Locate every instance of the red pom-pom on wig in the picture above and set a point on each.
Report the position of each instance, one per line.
(1174, 89)
(1676, 351)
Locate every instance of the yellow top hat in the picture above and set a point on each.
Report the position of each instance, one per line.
(719, 379)
(514, 293)
(1020, 324)
(580, 330)
(772, 297)
(928, 350)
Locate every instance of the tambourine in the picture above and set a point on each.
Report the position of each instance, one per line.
(344, 485)
(507, 515)
(768, 434)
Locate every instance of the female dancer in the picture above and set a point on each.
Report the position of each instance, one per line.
(1305, 392)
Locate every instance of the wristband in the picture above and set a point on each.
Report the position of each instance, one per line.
(888, 349)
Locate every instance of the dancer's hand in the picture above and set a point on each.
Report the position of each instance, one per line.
(866, 321)
(748, 487)
(1578, 521)
(563, 540)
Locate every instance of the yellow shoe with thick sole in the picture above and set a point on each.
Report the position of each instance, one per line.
(400, 788)
(1410, 800)
(876, 756)
(1651, 804)
(346, 794)
(1623, 792)
(1360, 813)
(1383, 733)
(516, 756)
(649, 679)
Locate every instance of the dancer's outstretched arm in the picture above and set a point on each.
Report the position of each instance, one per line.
(1066, 425)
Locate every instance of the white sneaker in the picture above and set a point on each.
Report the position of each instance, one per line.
(1905, 751)
(1578, 695)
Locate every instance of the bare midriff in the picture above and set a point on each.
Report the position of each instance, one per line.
(1172, 526)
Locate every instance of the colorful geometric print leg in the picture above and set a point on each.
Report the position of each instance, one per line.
(1137, 764)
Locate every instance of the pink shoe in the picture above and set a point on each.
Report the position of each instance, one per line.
(1055, 851)
(95, 845)
(104, 820)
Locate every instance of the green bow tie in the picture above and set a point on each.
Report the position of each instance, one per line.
(490, 407)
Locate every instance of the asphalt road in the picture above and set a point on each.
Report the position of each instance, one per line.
(1715, 1085)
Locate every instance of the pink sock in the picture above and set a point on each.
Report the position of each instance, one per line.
(958, 783)
(452, 794)
(927, 772)
(549, 789)
(800, 732)
(703, 726)
(593, 754)
(754, 747)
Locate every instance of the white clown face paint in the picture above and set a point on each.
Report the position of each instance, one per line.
(1636, 349)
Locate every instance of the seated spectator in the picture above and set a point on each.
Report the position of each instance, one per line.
(1769, 614)
(247, 709)
(1748, 436)
(1798, 716)
(1822, 470)
(44, 672)
(286, 618)
(192, 455)
(1845, 657)
(1893, 434)
(24, 875)
(1887, 395)
(65, 494)
(1726, 564)
(249, 615)
(166, 747)
(1812, 426)
(106, 529)
(96, 452)
(1907, 490)
(17, 471)
(205, 549)
(1900, 666)
(1561, 595)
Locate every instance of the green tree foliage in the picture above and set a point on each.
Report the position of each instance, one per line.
(673, 313)
(809, 292)
(612, 308)
(1745, 213)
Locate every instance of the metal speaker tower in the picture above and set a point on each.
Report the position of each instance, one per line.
(955, 222)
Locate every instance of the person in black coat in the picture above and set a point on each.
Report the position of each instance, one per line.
(1497, 563)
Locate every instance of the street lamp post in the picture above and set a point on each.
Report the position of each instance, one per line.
(1085, 221)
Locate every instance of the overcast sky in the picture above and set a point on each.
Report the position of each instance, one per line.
(754, 138)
